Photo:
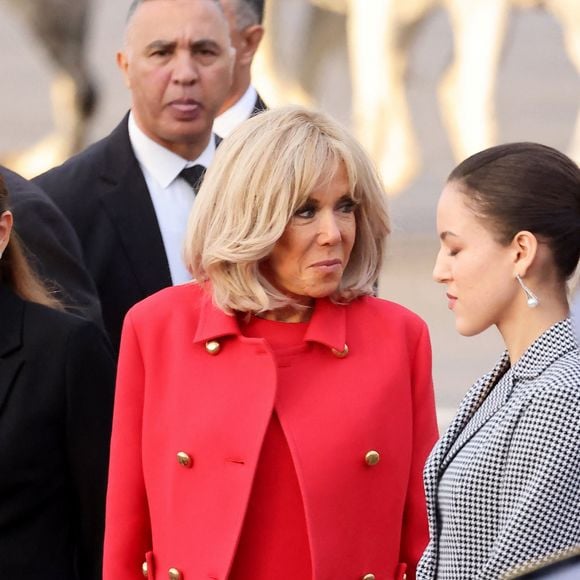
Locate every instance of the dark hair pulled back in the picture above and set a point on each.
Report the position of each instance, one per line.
(527, 186)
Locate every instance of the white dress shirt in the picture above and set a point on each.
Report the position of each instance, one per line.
(171, 195)
(225, 123)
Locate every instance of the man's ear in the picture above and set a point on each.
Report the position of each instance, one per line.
(251, 38)
(525, 246)
(123, 65)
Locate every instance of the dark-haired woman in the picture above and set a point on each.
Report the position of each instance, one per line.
(56, 391)
(503, 483)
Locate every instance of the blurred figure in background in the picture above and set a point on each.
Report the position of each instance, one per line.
(272, 418)
(56, 396)
(503, 482)
(563, 565)
(576, 313)
(245, 19)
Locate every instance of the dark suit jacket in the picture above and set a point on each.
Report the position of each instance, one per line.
(56, 395)
(103, 193)
(52, 246)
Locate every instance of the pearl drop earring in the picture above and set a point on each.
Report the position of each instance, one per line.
(532, 299)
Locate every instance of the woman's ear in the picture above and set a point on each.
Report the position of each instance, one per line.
(5, 229)
(525, 246)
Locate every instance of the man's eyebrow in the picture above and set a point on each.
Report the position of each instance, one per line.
(204, 43)
(160, 44)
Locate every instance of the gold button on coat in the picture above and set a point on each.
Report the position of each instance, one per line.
(212, 347)
(174, 574)
(145, 569)
(369, 577)
(340, 353)
(184, 459)
(372, 457)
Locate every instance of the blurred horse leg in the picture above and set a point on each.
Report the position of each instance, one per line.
(567, 12)
(60, 26)
(379, 35)
(467, 91)
(275, 73)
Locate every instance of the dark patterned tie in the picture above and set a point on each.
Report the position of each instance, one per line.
(193, 175)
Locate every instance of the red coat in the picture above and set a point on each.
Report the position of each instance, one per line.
(184, 515)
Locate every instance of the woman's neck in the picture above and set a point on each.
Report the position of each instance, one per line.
(525, 326)
(288, 314)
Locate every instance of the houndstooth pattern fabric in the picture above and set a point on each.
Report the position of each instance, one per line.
(518, 497)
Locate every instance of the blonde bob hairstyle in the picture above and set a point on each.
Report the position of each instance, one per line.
(261, 175)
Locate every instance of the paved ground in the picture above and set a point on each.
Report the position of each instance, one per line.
(539, 93)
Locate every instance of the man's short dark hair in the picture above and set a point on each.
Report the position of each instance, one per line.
(136, 3)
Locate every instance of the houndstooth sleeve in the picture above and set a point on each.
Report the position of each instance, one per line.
(539, 511)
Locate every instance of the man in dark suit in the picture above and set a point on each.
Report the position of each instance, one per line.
(52, 246)
(563, 565)
(576, 312)
(126, 195)
(245, 18)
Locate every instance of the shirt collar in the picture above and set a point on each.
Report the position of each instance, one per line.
(163, 165)
(241, 110)
(551, 345)
(327, 325)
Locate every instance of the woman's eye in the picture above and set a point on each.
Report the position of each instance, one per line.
(453, 253)
(306, 211)
(347, 206)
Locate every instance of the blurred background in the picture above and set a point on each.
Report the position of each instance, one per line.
(421, 82)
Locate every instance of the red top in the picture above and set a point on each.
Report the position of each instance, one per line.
(274, 538)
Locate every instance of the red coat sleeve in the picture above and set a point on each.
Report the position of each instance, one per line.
(415, 533)
(127, 526)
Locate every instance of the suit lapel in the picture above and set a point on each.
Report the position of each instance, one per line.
(440, 456)
(471, 403)
(259, 105)
(11, 359)
(491, 402)
(128, 203)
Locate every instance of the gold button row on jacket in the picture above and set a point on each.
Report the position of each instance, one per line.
(184, 459)
(340, 353)
(212, 347)
(369, 577)
(172, 573)
(372, 457)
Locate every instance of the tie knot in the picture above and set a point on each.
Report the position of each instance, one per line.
(193, 175)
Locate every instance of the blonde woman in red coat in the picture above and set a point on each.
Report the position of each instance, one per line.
(272, 418)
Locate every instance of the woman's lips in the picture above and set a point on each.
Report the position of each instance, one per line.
(328, 265)
(451, 300)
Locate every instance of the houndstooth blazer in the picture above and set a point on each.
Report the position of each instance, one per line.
(519, 497)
